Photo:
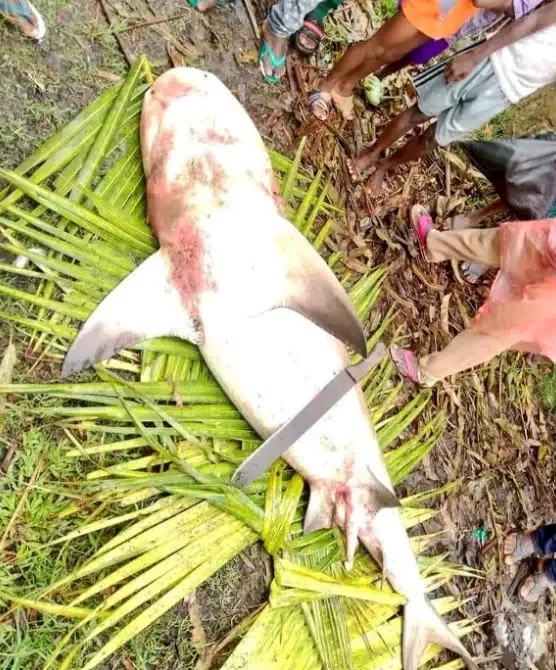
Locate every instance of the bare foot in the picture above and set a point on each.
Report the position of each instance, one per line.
(374, 185)
(273, 55)
(534, 587)
(344, 104)
(32, 26)
(357, 166)
(518, 546)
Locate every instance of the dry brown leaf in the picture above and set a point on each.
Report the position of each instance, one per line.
(198, 635)
(6, 373)
(108, 76)
(444, 312)
(248, 56)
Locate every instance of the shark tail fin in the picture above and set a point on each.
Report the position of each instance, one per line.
(423, 626)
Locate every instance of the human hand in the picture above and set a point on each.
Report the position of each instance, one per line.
(460, 66)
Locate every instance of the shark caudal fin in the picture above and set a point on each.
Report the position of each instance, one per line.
(351, 507)
(144, 305)
(422, 626)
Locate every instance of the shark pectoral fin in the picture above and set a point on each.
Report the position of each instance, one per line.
(381, 496)
(313, 290)
(421, 626)
(144, 305)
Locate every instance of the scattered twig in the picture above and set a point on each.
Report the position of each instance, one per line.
(151, 22)
(127, 55)
(9, 456)
(21, 502)
(252, 18)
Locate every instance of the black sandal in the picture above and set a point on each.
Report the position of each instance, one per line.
(313, 28)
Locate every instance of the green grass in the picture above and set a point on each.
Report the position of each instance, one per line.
(548, 390)
(43, 87)
(27, 637)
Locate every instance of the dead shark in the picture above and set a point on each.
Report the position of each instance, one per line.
(271, 319)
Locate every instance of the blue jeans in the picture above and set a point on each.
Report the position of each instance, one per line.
(544, 541)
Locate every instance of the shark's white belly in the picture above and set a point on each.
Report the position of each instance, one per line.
(271, 368)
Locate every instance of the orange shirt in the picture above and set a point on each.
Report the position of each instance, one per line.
(438, 19)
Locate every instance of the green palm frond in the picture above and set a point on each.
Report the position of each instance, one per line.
(161, 439)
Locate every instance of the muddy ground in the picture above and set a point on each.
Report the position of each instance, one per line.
(498, 436)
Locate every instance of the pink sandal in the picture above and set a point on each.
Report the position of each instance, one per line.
(406, 362)
(422, 225)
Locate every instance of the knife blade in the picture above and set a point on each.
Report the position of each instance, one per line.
(261, 459)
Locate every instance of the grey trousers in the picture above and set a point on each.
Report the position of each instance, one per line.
(286, 17)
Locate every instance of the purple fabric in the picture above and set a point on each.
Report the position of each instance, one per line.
(430, 49)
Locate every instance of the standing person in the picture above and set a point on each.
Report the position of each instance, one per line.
(542, 542)
(523, 173)
(301, 19)
(25, 16)
(516, 62)
(478, 23)
(520, 312)
(417, 22)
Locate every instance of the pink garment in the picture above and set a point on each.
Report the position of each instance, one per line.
(522, 301)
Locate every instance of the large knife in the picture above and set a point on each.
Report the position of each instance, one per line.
(261, 459)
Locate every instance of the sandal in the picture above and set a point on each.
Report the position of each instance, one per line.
(319, 104)
(472, 272)
(533, 587)
(406, 362)
(422, 225)
(275, 62)
(372, 87)
(313, 29)
(220, 3)
(523, 547)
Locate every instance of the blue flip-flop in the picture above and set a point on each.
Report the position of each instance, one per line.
(266, 50)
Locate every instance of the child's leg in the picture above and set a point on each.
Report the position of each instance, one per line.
(467, 350)
(477, 245)
(544, 540)
(416, 148)
(392, 41)
(391, 44)
(397, 128)
(474, 219)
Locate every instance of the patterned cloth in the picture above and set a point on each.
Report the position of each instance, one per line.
(286, 17)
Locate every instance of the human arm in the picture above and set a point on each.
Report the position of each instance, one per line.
(461, 65)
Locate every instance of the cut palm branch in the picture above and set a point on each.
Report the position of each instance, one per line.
(173, 439)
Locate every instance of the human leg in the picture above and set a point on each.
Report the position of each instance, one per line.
(416, 148)
(398, 127)
(390, 43)
(477, 245)
(544, 539)
(25, 16)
